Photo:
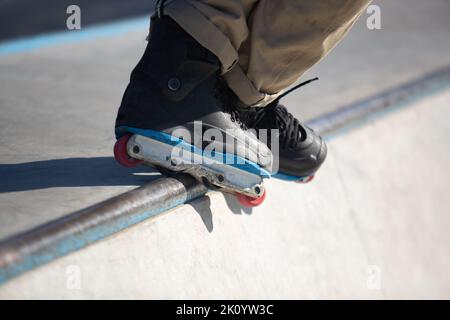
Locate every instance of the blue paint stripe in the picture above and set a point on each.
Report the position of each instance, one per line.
(285, 177)
(74, 36)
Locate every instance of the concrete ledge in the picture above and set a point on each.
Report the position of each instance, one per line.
(80, 229)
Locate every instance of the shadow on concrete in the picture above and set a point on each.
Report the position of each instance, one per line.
(203, 207)
(98, 171)
(71, 172)
(235, 206)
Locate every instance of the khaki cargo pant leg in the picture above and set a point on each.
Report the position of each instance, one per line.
(265, 45)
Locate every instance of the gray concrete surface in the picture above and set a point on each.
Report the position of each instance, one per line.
(57, 109)
(374, 224)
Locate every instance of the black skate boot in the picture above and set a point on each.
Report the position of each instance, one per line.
(301, 150)
(173, 117)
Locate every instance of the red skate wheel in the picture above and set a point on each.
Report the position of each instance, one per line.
(121, 154)
(250, 202)
(305, 179)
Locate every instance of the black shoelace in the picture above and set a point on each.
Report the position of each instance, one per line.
(276, 116)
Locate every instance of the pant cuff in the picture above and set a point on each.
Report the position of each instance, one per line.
(244, 88)
(212, 38)
(202, 30)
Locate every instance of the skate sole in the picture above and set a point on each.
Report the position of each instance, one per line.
(290, 178)
(229, 159)
(227, 172)
(226, 158)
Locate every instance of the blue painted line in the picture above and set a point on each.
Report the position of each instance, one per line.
(74, 36)
(285, 177)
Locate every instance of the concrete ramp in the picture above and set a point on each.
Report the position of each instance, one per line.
(374, 224)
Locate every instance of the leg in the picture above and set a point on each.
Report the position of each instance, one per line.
(264, 45)
(174, 117)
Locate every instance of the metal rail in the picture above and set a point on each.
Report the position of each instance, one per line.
(57, 238)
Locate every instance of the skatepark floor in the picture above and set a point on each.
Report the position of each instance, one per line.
(58, 103)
